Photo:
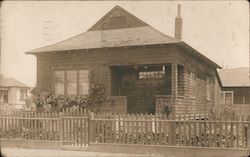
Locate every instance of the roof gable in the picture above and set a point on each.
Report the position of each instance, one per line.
(117, 18)
(108, 33)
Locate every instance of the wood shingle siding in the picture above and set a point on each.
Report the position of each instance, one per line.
(114, 54)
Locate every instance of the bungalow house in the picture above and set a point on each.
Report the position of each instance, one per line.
(235, 91)
(142, 70)
(13, 94)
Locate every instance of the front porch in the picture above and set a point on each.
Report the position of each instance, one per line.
(148, 88)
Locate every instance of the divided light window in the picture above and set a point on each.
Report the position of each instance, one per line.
(226, 97)
(3, 96)
(23, 94)
(192, 84)
(153, 73)
(71, 82)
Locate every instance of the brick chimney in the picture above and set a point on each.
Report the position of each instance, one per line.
(178, 24)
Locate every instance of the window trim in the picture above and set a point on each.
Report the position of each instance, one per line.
(65, 80)
(193, 96)
(22, 99)
(160, 72)
(5, 90)
(224, 97)
(210, 84)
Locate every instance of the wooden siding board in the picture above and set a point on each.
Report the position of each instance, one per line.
(100, 61)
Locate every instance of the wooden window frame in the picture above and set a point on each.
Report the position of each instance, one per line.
(21, 98)
(210, 84)
(193, 85)
(5, 91)
(65, 81)
(152, 73)
(224, 97)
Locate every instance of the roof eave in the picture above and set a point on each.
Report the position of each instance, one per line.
(247, 86)
(201, 56)
(105, 48)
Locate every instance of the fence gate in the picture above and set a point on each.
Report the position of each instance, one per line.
(75, 132)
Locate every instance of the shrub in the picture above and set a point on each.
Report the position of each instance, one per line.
(47, 101)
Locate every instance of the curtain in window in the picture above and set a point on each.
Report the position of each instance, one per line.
(83, 82)
(71, 82)
(59, 79)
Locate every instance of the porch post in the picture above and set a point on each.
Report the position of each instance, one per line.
(174, 86)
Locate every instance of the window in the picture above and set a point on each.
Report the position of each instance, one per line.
(192, 84)
(180, 80)
(152, 73)
(59, 81)
(3, 96)
(226, 97)
(209, 88)
(71, 85)
(23, 94)
(241, 96)
(71, 82)
(83, 82)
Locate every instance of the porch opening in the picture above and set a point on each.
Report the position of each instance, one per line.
(141, 83)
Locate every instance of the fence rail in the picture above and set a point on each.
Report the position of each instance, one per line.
(79, 128)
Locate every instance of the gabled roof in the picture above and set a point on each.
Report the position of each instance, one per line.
(237, 77)
(117, 11)
(135, 32)
(11, 82)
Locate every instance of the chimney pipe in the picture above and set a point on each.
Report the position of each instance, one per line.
(178, 24)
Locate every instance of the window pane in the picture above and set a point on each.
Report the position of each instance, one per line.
(228, 98)
(59, 82)
(83, 82)
(83, 88)
(192, 84)
(23, 94)
(238, 99)
(222, 98)
(246, 99)
(3, 96)
(209, 89)
(71, 82)
(155, 73)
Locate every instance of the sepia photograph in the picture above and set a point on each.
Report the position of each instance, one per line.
(125, 78)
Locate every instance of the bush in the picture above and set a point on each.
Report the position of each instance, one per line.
(47, 101)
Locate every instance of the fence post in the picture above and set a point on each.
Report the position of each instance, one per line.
(90, 127)
(248, 132)
(173, 131)
(61, 127)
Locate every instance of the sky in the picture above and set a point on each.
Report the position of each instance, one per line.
(217, 29)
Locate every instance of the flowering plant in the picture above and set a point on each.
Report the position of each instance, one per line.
(47, 101)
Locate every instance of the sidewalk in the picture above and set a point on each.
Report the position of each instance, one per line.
(21, 152)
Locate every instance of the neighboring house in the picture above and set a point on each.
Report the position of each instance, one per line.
(13, 93)
(235, 92)
(141, 69)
